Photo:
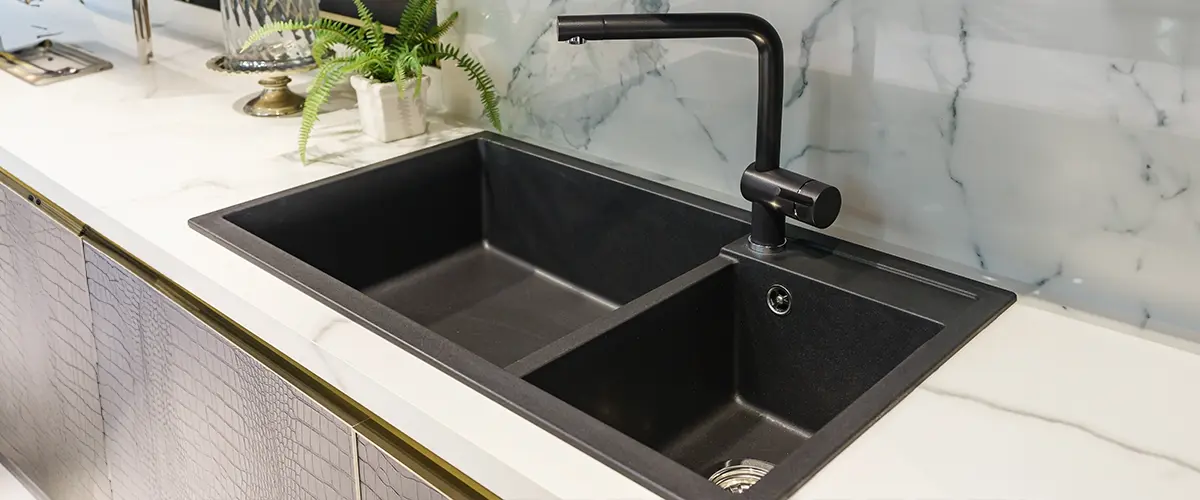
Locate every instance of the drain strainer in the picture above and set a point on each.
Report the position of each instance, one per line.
(779, 299)
(739, 475)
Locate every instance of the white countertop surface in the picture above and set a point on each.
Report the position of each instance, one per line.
(1043, 404)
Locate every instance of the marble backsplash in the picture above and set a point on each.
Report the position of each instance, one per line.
(1050, 142)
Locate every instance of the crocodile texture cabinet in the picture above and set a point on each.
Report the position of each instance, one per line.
(111, 390)
(383, 478)
(50, 413)
(188, 415)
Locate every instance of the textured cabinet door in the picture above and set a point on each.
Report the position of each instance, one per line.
(381, 477)
(50, 419)
(187, 415)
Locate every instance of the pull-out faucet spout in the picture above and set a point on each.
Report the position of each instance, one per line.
(776, 193)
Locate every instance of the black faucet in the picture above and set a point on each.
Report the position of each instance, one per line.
(775, 192)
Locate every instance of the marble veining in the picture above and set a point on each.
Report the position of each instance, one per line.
(1059, 426)
(807, 39)
(1130, 447)
(1047, 143)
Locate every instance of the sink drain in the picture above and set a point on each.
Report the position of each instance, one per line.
(737, 476)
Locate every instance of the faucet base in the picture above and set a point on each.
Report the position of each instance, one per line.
(768, 229)
(763, 249)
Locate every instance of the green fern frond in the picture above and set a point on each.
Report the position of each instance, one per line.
(478, 75)
(375, 37)
(407, 63)
(371, 28)
(325, 40)
(317, 96)
(326, 32)
(436, 34)
(364, 14)
(346, 30)
(329, 75)
(276, 27)
(369, 54)
(409, 67)
(378, 66)
(415, 19)
(341, 33)
(321, 45)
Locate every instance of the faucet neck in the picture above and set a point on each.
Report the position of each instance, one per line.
(578, 29)
(770, 97)
(776, 193)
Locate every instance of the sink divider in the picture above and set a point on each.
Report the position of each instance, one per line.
(609, 322)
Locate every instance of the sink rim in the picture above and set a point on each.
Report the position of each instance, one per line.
(640, 463)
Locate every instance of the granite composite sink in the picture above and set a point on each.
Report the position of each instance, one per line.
(626, 317)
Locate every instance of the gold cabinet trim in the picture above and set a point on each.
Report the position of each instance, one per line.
(430, 467)
(55, 212)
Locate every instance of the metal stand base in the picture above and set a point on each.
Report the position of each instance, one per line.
(276, 99)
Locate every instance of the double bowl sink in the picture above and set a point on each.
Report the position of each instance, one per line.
(628, 318)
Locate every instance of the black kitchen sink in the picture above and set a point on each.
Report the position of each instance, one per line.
(626, 317)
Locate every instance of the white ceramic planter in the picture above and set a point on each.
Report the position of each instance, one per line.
(388, 114)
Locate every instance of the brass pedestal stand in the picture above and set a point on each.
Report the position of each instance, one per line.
(276, 99)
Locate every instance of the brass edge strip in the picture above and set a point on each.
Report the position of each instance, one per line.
(430, 467)
(52, 210)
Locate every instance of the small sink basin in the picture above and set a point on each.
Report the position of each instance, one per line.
(713, 373)
(626, 317)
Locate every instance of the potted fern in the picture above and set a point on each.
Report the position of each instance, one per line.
(387, 73)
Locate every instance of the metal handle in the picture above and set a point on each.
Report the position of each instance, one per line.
(141, 30)
(807, 200)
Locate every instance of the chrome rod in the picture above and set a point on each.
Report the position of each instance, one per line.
(141, 29)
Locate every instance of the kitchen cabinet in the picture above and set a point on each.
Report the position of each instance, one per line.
(109, 389)
(383, 478)
(189, 415)
(51, 426)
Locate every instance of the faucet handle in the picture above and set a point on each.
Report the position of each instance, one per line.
(802, 198)
(816, 203)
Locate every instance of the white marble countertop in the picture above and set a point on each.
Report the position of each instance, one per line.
(1043, 404)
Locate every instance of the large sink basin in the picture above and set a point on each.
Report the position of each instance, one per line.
(626, 317)
(497, 251)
